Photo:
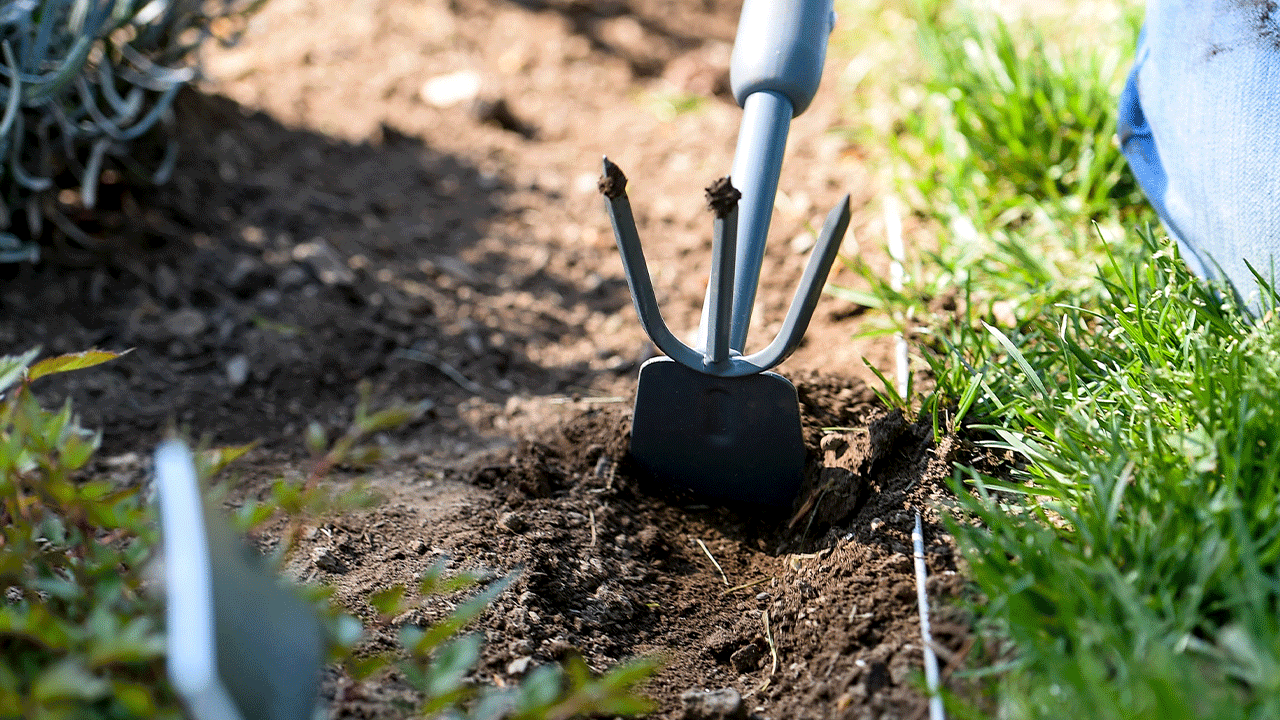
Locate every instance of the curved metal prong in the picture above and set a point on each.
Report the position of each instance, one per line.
(807, 294)
(613, 185)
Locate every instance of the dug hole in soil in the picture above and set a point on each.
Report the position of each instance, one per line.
(405, 194)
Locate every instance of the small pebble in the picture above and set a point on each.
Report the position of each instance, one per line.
(237, 370)
(326, 560)
(747, 658)
(451, 89)
(326, 262)
(802, 243)
(186, 323)
(723, 704)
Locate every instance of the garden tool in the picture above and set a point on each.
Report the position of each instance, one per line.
(714, 419)
(239, 646)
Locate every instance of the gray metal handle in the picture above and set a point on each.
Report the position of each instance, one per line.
(775, 72)
(240, 646)
(780, 47)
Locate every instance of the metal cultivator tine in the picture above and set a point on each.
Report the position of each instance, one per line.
(718, 359)
(811, 283)
(613, 184)
(723, 198)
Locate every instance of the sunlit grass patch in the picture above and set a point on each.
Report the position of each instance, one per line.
(1137, 565)
(1131, 568)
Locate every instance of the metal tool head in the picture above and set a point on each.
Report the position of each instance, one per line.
(734, 440)
(713, 420)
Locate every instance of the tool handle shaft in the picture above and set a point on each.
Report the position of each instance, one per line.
(762, 140)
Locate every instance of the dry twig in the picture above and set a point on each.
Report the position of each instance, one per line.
(744, 586)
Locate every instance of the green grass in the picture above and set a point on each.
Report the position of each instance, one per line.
(1135, 563)
(1015, 126)
(1131, 567)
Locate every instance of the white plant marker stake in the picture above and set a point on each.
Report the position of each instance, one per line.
(930, 658)
(192, 651)
(893, 231)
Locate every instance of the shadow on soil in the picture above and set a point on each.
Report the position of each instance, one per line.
(645, 35)
(278, 269)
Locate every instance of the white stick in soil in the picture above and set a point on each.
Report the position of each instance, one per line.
(930, 658)
(893, 232)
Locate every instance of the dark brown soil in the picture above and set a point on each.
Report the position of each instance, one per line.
(612, 565)
(332, 221)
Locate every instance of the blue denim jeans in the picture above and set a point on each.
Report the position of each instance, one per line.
(1200, 125)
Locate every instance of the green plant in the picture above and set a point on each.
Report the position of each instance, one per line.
(85, 84)
(1014, 125)
(79, 635)
(437, 662)
(1009, 154)
(1132, 569)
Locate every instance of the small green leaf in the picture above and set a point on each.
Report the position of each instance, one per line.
(317, 439)
(67, 363)
(346, 631)
(459, 618)
(541, 688)
(389, 601)
(78, 448)
(137, 641)
(495, 703)
(434, 583)
(363, 456)
(857, 297)
(451, 664)
(214, 460)
(1019, 358)
(363, 668)
(134, 698)
(391, 417)
(13, 366)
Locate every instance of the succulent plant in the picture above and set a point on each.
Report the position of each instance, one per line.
(82, 81)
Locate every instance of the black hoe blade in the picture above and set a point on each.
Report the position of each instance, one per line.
(730, 439)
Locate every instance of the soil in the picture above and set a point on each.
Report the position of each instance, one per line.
(405, 193)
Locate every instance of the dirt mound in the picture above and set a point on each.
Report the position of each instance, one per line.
(612, 565)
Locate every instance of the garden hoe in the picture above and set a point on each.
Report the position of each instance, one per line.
(714, 420)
